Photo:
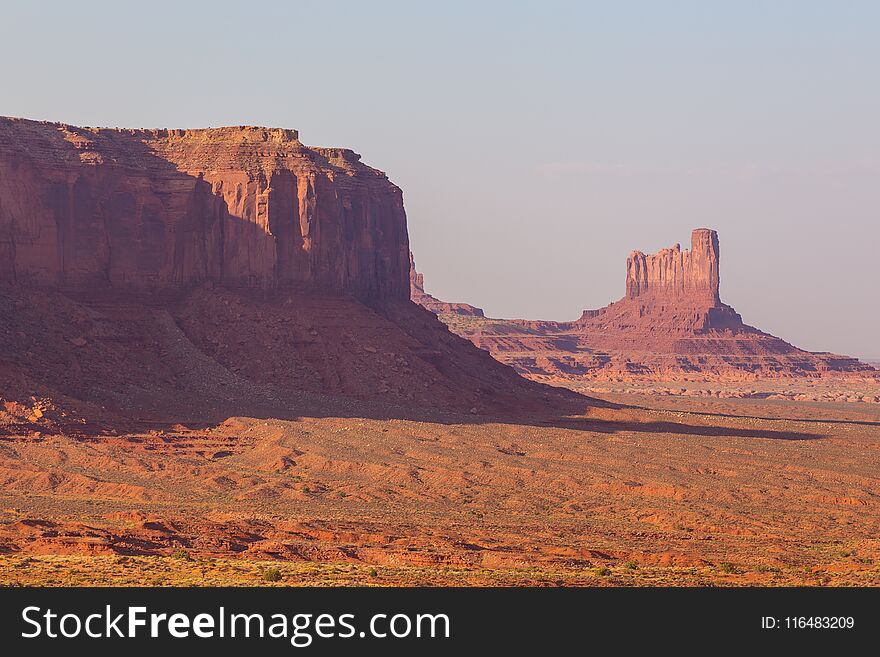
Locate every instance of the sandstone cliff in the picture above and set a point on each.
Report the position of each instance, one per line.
(674, 273)
(161, 211)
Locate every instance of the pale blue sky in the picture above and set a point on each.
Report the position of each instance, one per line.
(536, 143)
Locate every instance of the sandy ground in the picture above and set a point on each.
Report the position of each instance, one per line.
(647, 489)
(821, 389)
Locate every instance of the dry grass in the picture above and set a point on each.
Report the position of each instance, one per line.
(164, 571)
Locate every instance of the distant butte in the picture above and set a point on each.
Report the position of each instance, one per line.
(671, 324)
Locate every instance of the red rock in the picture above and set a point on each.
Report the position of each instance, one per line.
(673, 273)
(159, 211)
(669, 293)
(670, 324)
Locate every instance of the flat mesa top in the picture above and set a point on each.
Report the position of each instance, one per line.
(52, 141)
(246, 133)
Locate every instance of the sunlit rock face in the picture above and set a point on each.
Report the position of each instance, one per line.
(163, 210)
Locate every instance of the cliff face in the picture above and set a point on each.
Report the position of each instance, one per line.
(674, 273)
(163, 210)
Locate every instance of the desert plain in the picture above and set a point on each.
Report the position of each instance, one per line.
(218, 366)
(638, 490)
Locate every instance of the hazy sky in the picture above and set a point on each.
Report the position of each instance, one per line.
(536, 143)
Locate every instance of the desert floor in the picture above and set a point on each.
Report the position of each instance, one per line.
(649, 486)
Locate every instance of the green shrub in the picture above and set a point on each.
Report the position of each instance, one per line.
(180, 553)
(763, 568)
(604, 571)
(272, 574)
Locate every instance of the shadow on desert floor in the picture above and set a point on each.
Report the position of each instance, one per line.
(573, 415)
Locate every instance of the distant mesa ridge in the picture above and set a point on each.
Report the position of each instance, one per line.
(418, 295)
(671, 323)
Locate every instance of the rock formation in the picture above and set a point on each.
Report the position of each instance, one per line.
(673, 273)
(160, 211)
(419, 296)
(672, 292)
(670, 325)
(228, 268)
